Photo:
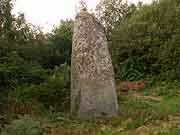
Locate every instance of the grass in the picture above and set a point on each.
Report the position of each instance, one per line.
(137, 115)
(170, 132)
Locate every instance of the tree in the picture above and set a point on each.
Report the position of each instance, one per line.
(6, 18)
(62, 39)
(29, 59)
(148, 41)
(111, 12)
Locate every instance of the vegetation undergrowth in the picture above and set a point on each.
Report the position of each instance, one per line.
(136, 114)
(35, 72)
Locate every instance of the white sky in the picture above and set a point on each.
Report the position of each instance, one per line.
(48, 13)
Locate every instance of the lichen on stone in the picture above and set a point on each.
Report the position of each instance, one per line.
(92, 72)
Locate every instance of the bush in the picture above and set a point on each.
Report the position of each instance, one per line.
(54, 92)
(151, 33)
(27, 59)
(32, 107)
(106, 132)
(23, 126)
(15, 71)
(131, 69)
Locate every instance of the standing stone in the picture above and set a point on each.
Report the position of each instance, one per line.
(92, 78)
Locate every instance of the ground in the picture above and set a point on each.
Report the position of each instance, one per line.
(151, 110)
(148, 111)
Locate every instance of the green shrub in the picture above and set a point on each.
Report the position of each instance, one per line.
(23, 126)
(106, 132)
(54, 92)
(15, 71)
(131, 69)
(151, 33)
(32, 107)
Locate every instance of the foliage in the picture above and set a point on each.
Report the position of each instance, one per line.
(13, 74)
(30, 61)
(53, 93)
(5, 18)
(62, 39)
(35, 68)
(106, 132)
(23, 126)
(112, 12)
(151, 34)
(131, 69)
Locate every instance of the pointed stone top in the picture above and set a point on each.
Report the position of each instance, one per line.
(84, 9)
(83, 12)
